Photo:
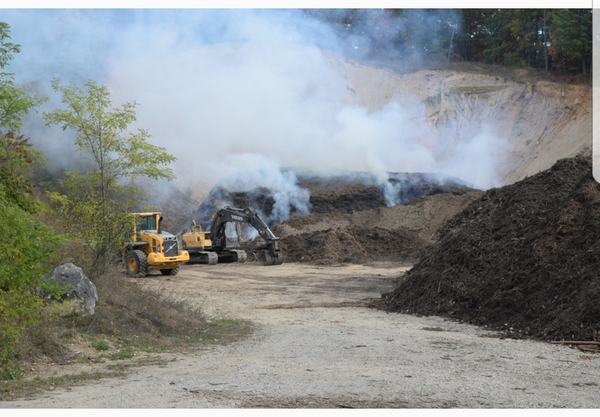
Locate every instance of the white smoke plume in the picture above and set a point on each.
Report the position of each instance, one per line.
(240, 174)
(233, 92)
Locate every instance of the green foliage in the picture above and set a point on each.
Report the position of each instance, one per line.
(572, 34)
(546, 39)
(540, 38)
(100, 345)
(14, 102)
(27, 247)
(94, 204)
(101, 132)
(16, 156)
(95, 226)
(7, 49)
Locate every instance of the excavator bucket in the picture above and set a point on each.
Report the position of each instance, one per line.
(266, 256)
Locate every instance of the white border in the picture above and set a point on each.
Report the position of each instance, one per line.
(293, 4)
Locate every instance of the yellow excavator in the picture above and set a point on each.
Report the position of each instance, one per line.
(149, 248)
(222, 243)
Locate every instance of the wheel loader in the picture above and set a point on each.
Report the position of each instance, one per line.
(149, 248)
(222, 243)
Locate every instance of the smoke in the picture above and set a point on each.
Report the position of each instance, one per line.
(236, 95)
(242, 175)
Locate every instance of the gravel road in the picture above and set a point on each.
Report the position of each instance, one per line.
(317, 345)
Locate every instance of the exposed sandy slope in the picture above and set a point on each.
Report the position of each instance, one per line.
(541, 122)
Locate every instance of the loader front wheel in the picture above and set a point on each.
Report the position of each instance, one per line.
(136, 263)
(173, 271)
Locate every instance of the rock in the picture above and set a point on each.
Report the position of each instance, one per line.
(78, 287)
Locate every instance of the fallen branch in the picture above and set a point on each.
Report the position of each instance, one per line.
(573, 342)
(588, 348)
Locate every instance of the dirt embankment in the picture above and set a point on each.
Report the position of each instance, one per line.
(399, 233)
(539, 121)
(522, 258)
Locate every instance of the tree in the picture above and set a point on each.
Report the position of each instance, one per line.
(16, 156)
(101, 132)
(27, 245)
(16, 153)
(571, 45)
(14, 102)
(96, 201)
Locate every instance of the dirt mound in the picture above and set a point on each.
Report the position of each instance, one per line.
(351, 244)
(398, 233)
(347, 192)
(522, 258)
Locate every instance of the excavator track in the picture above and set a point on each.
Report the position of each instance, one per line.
(203, 257)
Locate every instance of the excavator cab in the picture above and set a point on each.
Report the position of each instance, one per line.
(233, 235)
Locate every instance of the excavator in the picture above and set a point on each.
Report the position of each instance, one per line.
(222, 244)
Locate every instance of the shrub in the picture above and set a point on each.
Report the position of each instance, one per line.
(27, 247)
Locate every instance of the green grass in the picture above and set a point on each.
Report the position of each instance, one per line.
(101, 345)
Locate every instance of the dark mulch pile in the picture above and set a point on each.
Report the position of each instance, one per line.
(522, 258)
(352, 244)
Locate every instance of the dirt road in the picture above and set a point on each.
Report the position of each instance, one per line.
(317, 345)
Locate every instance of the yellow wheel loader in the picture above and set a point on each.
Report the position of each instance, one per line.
(150, 248)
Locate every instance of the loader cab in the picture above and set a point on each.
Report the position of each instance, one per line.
(148, 222)
(144, 221)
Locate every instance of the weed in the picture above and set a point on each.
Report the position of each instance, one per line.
(11, 390)
(120, 355)
(100, 345)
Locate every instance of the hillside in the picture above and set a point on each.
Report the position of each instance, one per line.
(540, 121)
(535, 121)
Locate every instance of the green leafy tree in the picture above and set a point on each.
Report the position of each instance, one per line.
(571, 32)
(95, 202)
(14, 102)
(16, 153)
(16, 156)
(27, 246)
